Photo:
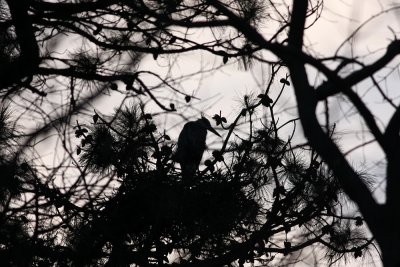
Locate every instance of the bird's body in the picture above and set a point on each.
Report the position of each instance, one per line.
(191, 145)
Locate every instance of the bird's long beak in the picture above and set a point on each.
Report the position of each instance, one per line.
(213, 131)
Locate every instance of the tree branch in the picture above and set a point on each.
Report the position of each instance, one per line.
(306, 102)
(329, 89)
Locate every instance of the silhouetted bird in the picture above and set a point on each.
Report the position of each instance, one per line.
(191, 145)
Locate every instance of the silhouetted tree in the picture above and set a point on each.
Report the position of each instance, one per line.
(117, 198)
(257, 201)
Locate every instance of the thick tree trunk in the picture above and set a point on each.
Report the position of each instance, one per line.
(28, 58)
(390, 250)
(388, 238)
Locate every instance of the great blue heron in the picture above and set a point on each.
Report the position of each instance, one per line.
(191, 145)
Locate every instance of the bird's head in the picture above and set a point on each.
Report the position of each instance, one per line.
(207, 125)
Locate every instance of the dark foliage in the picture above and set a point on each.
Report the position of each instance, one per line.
(143, 212)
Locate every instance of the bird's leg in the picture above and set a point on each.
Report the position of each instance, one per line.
(189, 173)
